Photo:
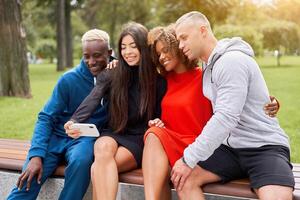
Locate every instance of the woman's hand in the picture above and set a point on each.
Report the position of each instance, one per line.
(112, 64)
(156, 122)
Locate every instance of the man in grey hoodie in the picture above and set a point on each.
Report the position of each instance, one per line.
(239, 140)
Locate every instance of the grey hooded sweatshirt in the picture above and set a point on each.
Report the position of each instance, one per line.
(234, 84)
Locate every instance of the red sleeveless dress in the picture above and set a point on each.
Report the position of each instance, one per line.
(185, 112)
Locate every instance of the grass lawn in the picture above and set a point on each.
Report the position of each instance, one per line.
(19, 115)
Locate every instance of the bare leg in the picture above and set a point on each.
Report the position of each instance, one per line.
(93, 183)
(275, 192)
(192, 187)
(156, 169)
(105, 172)
(109, 160)
(125, 160)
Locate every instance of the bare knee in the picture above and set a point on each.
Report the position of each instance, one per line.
(105, 148)
(275, 192)
(151, 138)
(192, 183)
(195, 181)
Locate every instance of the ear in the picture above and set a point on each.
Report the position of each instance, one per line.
(203, 30)
(110, 52)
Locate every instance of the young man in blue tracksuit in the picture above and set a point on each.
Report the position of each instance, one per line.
(50, 144)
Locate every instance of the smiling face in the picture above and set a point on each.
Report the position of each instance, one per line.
(166, 58)
(95, 55)
(129, 51)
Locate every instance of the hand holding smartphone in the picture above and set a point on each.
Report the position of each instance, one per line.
(88, 130)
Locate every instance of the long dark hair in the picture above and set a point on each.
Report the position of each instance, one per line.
(120, 80)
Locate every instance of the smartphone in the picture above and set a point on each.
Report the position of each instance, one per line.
(88, 130)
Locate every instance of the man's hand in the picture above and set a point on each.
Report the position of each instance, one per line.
(180, 173)
(156, 122)
(112, 64)
(73, 133)
(34, 168)
(272, 108)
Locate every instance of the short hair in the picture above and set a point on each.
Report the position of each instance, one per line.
(194, 16)
(95, 34)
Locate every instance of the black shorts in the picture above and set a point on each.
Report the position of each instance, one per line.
(266, 165)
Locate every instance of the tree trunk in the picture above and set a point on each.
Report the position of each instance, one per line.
(14, 76)
(69, 39)
(113, 23)
(61, 35)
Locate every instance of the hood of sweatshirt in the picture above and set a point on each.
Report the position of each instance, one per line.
(84, 71)
(226, 45)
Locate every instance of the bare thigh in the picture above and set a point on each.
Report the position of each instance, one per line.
(125, 160)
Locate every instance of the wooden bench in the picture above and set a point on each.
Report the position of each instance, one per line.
(13, 154)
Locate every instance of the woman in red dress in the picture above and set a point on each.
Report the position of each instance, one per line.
(185, 112)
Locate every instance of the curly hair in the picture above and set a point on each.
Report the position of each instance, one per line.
(167, 36)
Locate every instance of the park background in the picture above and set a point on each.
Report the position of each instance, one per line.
(44, 42)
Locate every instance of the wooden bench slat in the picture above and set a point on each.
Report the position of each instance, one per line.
(14, 141)
(230, 189)
(296, 174)
(13, 151)
(296, 165)
(11, 164)
(13, 156)
(19, 144)
(14, 148)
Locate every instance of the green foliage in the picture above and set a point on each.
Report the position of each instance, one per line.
(46, 48)
(247, 13)
(281, 35)
(250, 35)
(286, 10)
(168, 11)
(269, 20)
(111, 15)
(79, 28)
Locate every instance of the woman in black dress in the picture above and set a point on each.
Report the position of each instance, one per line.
(135, 91)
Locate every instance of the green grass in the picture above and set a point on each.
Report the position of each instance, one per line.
(19, 115)
(284, 83)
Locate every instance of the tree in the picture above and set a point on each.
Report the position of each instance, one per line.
(282, 36)
(14, 78)
(168, 11)
(39, 23)
(69, 40)
(111, 15)
(247, 33)
(57, 13)
(61, 36)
